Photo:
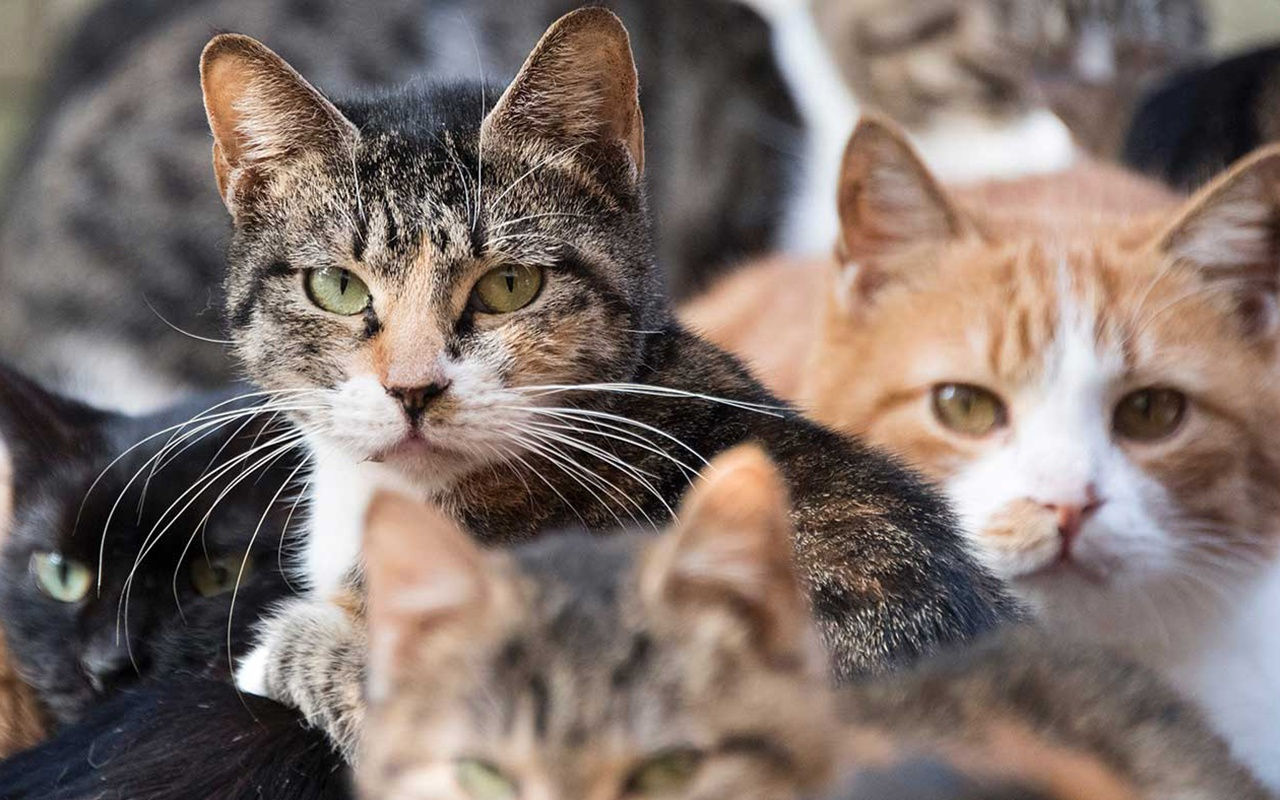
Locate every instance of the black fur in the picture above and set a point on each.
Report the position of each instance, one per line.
(75, 653)
(230, 748)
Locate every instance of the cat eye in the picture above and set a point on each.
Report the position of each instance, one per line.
(212, 577)
(665, 773)
(1149, 414)
(338, 291)
(967, 409)
(481, 780)
(506, 289)
(64, 579)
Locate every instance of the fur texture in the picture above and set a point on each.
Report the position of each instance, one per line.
(177, 532)
(583, 406)
(1076, 303)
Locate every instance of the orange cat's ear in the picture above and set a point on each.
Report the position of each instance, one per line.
(578, 89)
(1230, 232)
(262, 114)
(888, 202)
(425, 577)
(731, 550)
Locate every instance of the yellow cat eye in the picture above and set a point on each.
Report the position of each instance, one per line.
(665, 773)
(481, 780)
(1149, 414)
(967, 409)
(215, 576)
(64, 579)
(338, 291)
(506, 289)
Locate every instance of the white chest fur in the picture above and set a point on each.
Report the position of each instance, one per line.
(1233, 670)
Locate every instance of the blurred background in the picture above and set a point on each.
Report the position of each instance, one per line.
(30, 29)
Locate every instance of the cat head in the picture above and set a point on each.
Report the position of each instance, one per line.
(678, 666)
(1096, 393)
(84, 505)
(414, 265)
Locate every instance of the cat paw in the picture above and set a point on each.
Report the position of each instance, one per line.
(251, 672)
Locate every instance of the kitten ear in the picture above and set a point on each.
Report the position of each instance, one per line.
(1230, 233)
(577, 89)
(424, 575)
(888, 202)
(38, 426)
(263, 114)
(732, 547)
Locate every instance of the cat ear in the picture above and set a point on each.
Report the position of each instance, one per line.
(38, 426)
(263, 114)
(1230, 232)
(577, 89)
(424, 575)
(888, 202)
(732, 547)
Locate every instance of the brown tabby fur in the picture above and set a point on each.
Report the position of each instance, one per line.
(22, 722)
(567, 663)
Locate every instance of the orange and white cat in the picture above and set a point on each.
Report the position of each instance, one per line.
(1088, 366)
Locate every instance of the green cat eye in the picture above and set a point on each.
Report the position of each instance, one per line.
(506, 289)
(481, 780)
(64, 579)
(215, 576)
(1149, 414)
(664, 774)
(967, 409)
(338, 291)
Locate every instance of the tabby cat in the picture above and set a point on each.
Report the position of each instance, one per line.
(125, 552)
(686, 666)
(473, 310)
(1087, 366)
(110, 233)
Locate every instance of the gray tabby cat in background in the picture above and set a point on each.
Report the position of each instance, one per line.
(111, 235)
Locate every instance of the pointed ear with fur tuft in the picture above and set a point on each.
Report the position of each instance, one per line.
(263, 114)
(578, 89)
(37, 426)
(732, 549)
(889, 203)
(1230, 233)
(426, 577)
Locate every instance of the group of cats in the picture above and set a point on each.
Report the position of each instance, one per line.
(450, 304)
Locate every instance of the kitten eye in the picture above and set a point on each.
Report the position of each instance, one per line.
(966, 409)
(212, 577)
(506, 289)
(481, 780)
(64, 579)
(338, 291)
(665, 773)
(1149, 414)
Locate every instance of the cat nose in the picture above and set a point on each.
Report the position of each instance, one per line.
(416, 399)
(105, 665)
(1072, 516)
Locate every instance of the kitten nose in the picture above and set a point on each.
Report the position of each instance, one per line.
(1071, 516)
(105, 665)
(415, 399)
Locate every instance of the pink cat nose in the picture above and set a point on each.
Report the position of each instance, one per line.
(1071, 516)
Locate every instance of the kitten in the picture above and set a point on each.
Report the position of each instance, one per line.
(475, 313)
(1204, 117)
(110, 234)
(685, 665)
(1086, 365)
(96, 495)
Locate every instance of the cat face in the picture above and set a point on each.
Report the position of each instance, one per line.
(683, 666)
(413, 267)
(85, 609)
(1096, 397)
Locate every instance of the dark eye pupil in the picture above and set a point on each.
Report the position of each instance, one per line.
(511, 280)
(344, 280)
(64, 572)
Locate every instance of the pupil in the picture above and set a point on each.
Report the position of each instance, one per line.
(220, 574)
(344, 280)
(63, 572)
(511, 282)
